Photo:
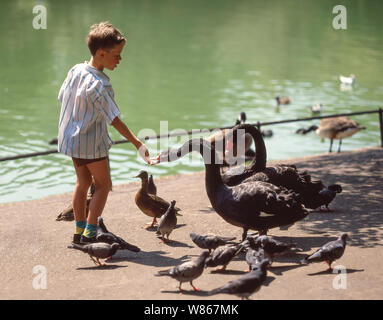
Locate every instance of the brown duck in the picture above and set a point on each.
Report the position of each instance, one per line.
(68, 215)
(150, 204)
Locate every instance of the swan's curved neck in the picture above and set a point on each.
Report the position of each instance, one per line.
(211, 160)
(259, 162)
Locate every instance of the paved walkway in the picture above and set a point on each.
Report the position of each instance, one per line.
(32, 241)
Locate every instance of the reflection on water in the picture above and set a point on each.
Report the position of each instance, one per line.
(195, 64)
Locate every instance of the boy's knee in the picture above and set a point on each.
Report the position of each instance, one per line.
(105, 186)
(84, 184)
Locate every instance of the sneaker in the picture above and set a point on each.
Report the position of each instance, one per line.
(76, 238)
(85, 240)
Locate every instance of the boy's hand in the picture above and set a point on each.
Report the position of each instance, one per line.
(144, 153)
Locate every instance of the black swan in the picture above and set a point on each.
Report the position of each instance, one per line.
(287, 176)
(253, 205)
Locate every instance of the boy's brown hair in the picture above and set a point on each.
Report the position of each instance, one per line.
(103, 36)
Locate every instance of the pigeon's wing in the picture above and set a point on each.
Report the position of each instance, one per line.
(185, 270)
(100, 250)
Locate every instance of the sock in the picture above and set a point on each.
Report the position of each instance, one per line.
(90, 230)
(80, 226)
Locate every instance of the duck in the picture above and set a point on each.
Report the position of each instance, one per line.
(305, 131)
(152, 188)
(150, 204)
(316, 108)
(282, 175)
(68, 215)
(282, 100)
(347, 80)
(255, 205)
(338, 128)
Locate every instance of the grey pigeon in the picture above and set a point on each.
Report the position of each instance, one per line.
(329, 252)
(222, 256)
(274, 248)
(254, 254)
(187, 271)
(103, 235)
(210, 242)
(98, 250)
(152, 189)
(247, 284)
(328, 194)
(167, 222)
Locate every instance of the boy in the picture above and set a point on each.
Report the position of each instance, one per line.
(87, 106)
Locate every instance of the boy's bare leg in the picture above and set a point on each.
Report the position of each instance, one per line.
(100, 172)
(84, 180)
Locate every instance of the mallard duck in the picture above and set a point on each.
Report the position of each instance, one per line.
(347, 80)
(338, 128)
(282, 100)
(68, 215)
(150, 204)
(241, 205)
(152, 189)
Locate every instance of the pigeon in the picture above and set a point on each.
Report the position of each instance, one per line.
(329, 252)
(167, 222)
(254, 254)
(103, 235)
(68, 215)
(222, 256)
(152, 189)
(274, 248)
(328, 194)
(98, 250)
(187, 271)
(210, 242)
(245, 285)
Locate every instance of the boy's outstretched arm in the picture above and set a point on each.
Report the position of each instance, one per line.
(126, 133)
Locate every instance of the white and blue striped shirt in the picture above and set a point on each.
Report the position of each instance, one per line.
(87, 105)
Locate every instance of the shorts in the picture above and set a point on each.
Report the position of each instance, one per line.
(82, 162)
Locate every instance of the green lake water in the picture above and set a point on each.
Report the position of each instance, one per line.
(195, 64)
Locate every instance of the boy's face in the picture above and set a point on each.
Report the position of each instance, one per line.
(110, 58)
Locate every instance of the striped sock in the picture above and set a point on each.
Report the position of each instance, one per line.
(80, 226)
(90, 230)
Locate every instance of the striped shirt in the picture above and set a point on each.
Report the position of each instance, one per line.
(87, 106)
